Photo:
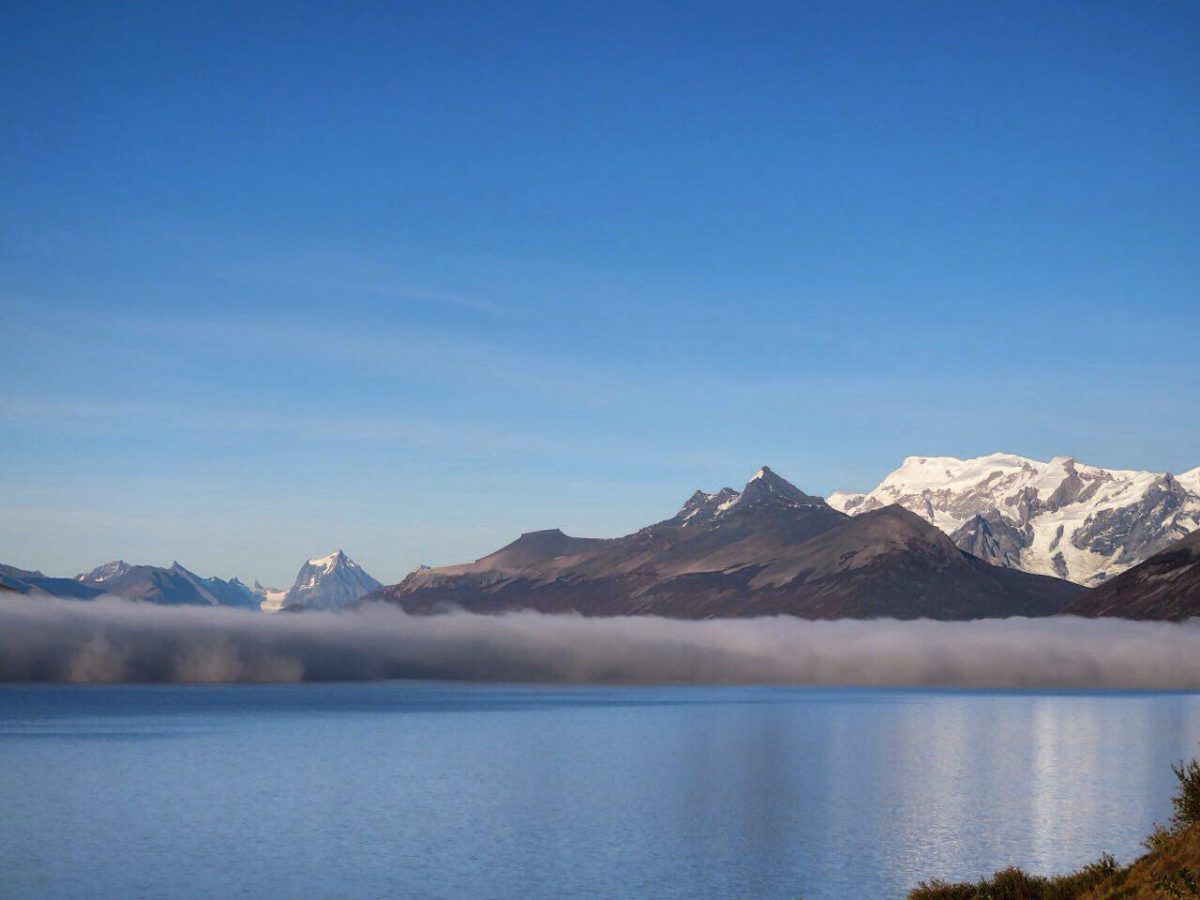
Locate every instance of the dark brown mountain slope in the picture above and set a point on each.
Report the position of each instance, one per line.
(772, 549)
(1166, 586)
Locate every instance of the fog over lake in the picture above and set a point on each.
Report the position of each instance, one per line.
(42, 639)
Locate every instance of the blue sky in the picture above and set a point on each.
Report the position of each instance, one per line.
(411, 278)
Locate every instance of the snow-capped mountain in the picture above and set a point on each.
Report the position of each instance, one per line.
(702, 507)
(1061, 517)
(176, 585)
(331, 582)
(106, 572)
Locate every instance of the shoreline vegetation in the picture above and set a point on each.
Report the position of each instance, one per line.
(1170, 868)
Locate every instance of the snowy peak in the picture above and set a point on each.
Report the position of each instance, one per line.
(316, 570)
(702, 506)
(334, 560)
(106, 572)
(766, 485)
(174, 586)
(1190, 480)
(1061, 517)
(329, 582)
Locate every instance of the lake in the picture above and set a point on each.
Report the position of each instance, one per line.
(440, 790)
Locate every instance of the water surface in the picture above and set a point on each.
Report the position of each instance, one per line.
(410, 789)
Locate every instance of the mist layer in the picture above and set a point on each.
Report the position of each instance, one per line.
(110, 640)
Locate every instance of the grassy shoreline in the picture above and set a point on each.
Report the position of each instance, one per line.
(1170, 868)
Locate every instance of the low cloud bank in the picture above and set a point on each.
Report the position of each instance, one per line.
(43, 639)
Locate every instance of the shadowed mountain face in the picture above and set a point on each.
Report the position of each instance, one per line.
(1166, 586)
(770, 549)
(25, 581)
(173, 586)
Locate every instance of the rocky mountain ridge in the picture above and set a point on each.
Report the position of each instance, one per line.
(769, 549)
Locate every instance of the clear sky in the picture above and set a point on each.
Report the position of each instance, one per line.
(411, 278)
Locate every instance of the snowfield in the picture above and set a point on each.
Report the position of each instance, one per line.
(1061, 517)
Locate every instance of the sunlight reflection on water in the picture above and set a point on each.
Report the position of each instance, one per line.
(450, 790)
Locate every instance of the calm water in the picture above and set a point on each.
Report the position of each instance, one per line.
(438, 790)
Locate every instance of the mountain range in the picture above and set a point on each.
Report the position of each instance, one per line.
(765, 550)
(174, 585)
(331, 582)
(1061, 518)
(940, 537)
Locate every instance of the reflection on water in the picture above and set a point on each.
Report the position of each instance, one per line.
(437, 790)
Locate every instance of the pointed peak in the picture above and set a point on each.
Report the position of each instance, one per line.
(766, 477)
(177, 568)
(106, 572)
(767, 483)
(329, 582)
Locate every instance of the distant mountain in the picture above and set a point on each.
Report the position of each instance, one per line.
(768, 549)
(171, 586)
(1060, 518)
(25, 581)
(1166, 586)
(106, 572)
(331, 582)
